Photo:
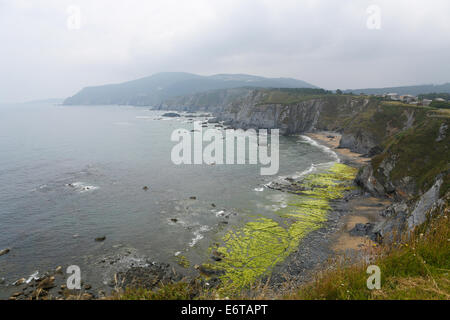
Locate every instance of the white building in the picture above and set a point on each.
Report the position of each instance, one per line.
(393, 96)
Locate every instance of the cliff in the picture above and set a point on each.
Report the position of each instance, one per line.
(410, 145)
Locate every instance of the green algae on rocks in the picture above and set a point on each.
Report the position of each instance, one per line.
(183, 261)
(252, 250)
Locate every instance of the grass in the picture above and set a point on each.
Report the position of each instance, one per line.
(417, 154)
(171, 291)
(291, 96)
(406, 105)
(415, 268)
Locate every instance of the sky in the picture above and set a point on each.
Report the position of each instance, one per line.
(53, 48)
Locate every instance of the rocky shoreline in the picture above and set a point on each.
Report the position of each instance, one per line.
(129, 270)
(357, 222)
(340, 235)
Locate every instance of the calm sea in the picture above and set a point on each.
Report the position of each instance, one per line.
(71, 174)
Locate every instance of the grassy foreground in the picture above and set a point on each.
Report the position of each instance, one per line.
(416, 268)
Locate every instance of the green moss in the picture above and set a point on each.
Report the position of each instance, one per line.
(252, 250)
(183, 261)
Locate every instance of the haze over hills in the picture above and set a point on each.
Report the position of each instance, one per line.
(414, 90)
(157, 88)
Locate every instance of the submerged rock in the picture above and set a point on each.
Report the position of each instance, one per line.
(19, 282)
(364, 230)
(171, 115)
(47, 283)
(147, 277)
(100, 239)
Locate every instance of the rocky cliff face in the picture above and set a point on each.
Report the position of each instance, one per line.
(413, 169)
(410, 146)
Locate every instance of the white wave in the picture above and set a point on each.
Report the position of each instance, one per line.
(284, 179)
(198, 235)
(220, 213)
(33, 276)
(314, 143)
(310, 170)
(259, 189)
(81, 187)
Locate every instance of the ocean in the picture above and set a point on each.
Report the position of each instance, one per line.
(71, 174)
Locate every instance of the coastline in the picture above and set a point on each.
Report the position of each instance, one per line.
(314, 249)
(336, 238)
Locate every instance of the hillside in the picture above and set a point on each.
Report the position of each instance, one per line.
(153, 90)
(414, 90)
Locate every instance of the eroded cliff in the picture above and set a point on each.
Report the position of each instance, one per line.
(410, 145)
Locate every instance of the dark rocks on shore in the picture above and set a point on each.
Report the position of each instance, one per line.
(368, 230)
(19, 282)
(147, 277)
(209, 271)
(171, 115)
(217, 256)
(362, 230)
(47, 284)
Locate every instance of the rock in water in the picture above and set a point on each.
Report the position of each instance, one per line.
(100, 239)
(19, 282)
(47, 283)
(3, 252)
(171, 115)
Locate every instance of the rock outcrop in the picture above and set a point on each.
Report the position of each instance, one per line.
(410, 145)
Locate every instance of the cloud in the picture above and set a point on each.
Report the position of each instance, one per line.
(323, 42)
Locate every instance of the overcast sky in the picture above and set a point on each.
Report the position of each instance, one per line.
(43, 53)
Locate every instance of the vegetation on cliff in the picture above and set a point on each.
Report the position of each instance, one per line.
(411, 149)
